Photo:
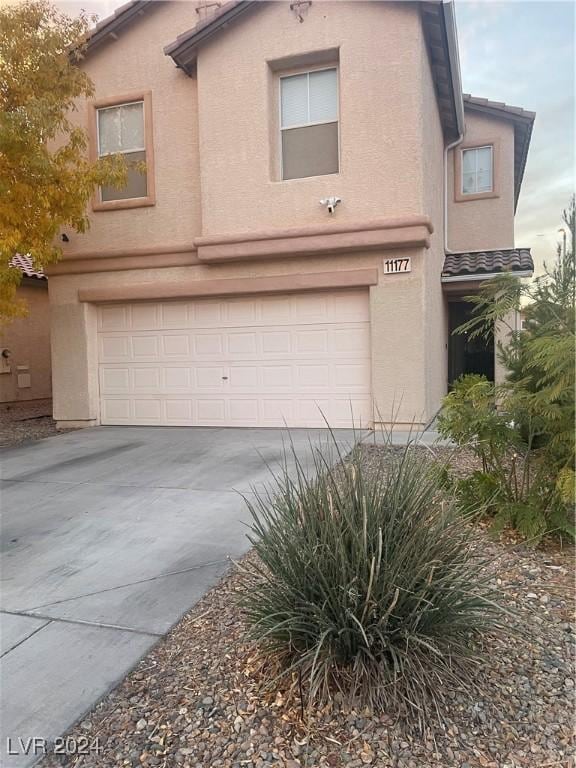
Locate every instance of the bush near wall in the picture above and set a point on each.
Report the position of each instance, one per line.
(526, 444)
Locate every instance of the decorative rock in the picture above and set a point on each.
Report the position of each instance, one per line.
(198, 699)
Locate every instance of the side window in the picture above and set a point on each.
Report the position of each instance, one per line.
(124, 128)
(477, 170)
(309, 123)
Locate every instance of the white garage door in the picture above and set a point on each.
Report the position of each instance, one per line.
(255, 361)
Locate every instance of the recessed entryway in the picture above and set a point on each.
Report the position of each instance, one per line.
(465, 354)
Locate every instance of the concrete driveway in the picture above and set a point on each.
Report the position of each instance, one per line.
(108, 536)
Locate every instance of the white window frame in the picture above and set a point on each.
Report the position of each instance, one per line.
(476, 191)
(117, 106)
(308, 72)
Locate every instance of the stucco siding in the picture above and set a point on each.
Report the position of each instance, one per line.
(475, 225)
(28, 341)
(434, 304)
(379, 50)
(136, 62)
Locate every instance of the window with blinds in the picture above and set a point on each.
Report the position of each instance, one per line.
(477, 170)
(309, 123)
(121, 132)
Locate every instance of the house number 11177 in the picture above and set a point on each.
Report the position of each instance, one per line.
(393, 266)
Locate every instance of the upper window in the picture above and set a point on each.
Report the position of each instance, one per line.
(477, 170)
(309, 123)
(123, 129)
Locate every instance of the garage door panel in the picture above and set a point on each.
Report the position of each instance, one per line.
(148, 409)
(211, 411)
(177, 378)
(211, 378)
(175, 345)
(145, 317)
(275, 376)
(114, 318)
(351, 377)
(147, 379)
(116, 411)
(145, 347)
(265, 361)
(179, 411)
(242, 344)
(276, 342)
(314, 377)
(175, 315)
(276, 310)
(207, 345)
(244, 376)
(351, 340)
(114, 348)
(115, 380)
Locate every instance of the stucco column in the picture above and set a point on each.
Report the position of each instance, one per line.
(398, 352)
(503, 330)
(74, 365)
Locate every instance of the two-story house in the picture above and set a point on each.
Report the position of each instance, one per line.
(318, 196)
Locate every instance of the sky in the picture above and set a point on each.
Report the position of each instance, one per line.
(521, 52)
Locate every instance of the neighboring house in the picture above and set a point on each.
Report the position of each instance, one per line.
(318, 198)
(25, 371)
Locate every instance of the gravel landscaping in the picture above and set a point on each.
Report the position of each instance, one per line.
(198, 698)
(22, 422)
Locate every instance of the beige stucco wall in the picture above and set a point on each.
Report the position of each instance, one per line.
(380, 50)
(28, 340)
(136, 62)
(435, 310)
(474, 225)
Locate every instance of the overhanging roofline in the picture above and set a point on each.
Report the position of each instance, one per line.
(486, 264)
(482, 276)
(454, 59)
(108, 28)
(184, 49)
(440, 30)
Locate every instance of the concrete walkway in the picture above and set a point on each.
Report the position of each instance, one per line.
(428, 438)
(108, 536)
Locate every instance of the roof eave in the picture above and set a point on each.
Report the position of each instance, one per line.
(184, 49)
(109, 28)
(482, 276)
(454, 60)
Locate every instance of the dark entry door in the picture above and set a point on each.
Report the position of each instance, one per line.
(467, 355)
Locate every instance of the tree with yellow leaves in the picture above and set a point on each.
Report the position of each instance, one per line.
(46, 178)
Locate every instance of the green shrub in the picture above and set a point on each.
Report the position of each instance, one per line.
(517, 485)
(367, 581)
(527, 445)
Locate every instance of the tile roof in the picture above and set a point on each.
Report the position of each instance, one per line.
(26, 266)
(487, 262)
(481, 102)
